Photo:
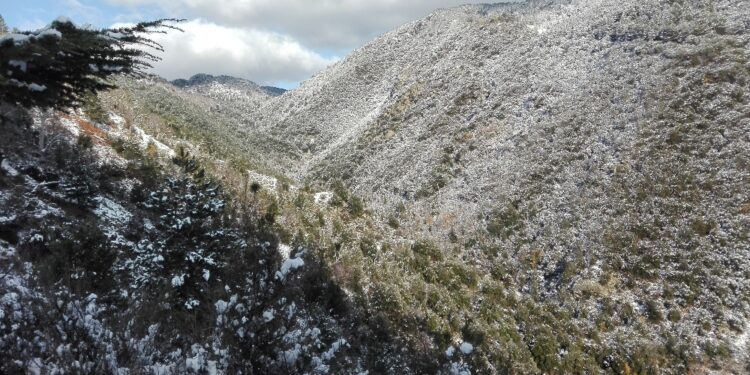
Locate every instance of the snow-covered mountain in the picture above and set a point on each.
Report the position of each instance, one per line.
(228, 89)
(606, 140)
(548, 187)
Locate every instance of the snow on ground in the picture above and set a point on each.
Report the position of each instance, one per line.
(459, 369)
(288, 266)
(450, 351)
(111, 212)
(285, 251)
(70, 125)
(43, 209)
(145, 140)
(8, 169)
(6, 251)
(742, 341)
(266, 182)
(268, 315)
(323, 198)
(117, 120)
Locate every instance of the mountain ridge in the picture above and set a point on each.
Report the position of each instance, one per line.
(203, 78)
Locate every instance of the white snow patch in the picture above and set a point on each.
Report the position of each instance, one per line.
(268, 315)
(221, 307)
(450, 351)
(285, 251)
(35, 366)
(198, 363)
(267, 182)
(111, 212)
(146, 139)
(289, 357)
(16, 38)
(31, 86)
(742, 342)
(50, 32)
(289, 265)
(7, 219)
(192, 303)
(8, 169)
(330, 353)
(323, 198)
(36, 87)
(459, 369)
(115, 35)
(70, 125)
(116, 119)
(178, 281)
(21, 65)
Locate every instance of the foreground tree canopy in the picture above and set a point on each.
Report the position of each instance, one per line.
(55, 66)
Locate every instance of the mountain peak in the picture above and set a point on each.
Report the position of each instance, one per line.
(203, 79)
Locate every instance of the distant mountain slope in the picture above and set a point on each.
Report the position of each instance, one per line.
(227, 88)
(216, 113)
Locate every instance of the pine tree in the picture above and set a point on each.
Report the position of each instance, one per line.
(192, 244)
(3, 26)
(57, 66)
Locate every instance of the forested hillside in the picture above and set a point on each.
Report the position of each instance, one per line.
(544, 188)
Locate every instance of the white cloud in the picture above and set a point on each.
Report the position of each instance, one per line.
(261, 56)
(272, 41)
(339, 25)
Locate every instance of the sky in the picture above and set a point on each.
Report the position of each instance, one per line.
(270, 42)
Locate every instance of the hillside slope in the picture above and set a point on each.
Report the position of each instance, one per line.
(599, 146)
(229, 89)
(553, 187)
(120, 255)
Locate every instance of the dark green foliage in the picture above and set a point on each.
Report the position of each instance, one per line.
(504, 221)
(369, 247)
(544, 348)
(254, 187)
(654, 311)
(393, 222)
(317, 287)
(189, 164)
(79, 180)
(340, 193)
(271, 213)
(59, 67)
(343, 198)
(93, 108)
(192, 241)
(59, 316)
(85, 142)
(703, 228)
(356, 206)
(426, 254)
(674, 315)
(3, 26)
(79, 258)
